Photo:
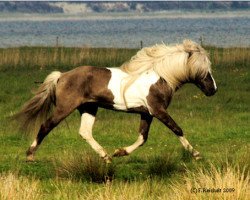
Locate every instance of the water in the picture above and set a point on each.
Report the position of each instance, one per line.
(124, 31)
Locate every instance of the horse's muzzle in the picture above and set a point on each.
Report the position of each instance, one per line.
(211, 92)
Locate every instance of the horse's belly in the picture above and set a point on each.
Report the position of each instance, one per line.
(135, 95)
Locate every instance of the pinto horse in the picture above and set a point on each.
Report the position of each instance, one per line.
(145, 85)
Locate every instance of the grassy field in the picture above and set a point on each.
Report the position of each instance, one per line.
(67, 168)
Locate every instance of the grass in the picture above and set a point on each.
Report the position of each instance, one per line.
(85, 166)
(164, 165)
(61, 57)
(228, 184)
(213, 183)
(67, 168)
(14, 187)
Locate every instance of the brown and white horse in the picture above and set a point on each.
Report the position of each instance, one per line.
(143, 85)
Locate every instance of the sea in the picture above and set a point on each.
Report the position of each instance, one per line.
(125, 30)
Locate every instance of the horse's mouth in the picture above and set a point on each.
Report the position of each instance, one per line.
(210, 93)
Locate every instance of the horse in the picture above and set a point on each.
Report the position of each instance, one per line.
(144, 85)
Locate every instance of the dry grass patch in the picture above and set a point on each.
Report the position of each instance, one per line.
(117, 190)
(13, 187)
(61, 57)
(139, 190)
(212, 183)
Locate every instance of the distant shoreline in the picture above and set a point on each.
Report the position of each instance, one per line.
(223, 29)
(125, 15)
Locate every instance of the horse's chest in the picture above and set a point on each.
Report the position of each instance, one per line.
(132, 95)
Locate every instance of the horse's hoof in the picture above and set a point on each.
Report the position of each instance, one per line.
(196, 155)
(198, 158)
(120, 152)
(30, 158)
(107, 159)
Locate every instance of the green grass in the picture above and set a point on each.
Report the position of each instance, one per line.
(216, 126)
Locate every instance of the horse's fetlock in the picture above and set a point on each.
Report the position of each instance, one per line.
(30, 151)
(107, 159)
(120, 152)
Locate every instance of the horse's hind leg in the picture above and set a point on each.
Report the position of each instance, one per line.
(87, 122)
(46, 127)
(143, 135)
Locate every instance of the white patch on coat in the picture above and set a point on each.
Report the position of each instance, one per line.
(134, 146)
(34, 144)
(87, 122)
(136, 94)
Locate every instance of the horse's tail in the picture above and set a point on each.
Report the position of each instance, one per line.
(36, 110)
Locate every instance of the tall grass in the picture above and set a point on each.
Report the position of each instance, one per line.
(13, 187)
(232, 57)
(213, 183)
(67, 58)
(210, 183)
(85, 167)
(233, 184)
(61, 57)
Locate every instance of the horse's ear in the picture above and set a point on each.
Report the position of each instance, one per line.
(190, 54)
(190, 47)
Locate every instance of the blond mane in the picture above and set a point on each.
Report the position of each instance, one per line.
(174, 63)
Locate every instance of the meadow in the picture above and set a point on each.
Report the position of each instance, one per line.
(67, 168)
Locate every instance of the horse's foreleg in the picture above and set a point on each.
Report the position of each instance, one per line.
(143, 135)
(165, 118)
(87, 122)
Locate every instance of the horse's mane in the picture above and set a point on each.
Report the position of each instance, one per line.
(174, 63)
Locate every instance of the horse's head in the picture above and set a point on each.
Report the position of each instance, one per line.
(206, 84)
(200, 68)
